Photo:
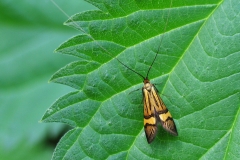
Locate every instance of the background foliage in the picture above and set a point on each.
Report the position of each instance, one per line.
(30, 31)
(198, 70)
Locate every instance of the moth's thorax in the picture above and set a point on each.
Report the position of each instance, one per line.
(147, 85)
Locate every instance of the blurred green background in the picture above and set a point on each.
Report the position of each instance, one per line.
(30, 31)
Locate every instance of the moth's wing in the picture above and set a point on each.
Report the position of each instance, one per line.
(164, 116)
(150, 121)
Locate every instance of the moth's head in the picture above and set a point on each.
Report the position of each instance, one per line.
(146, 80)
(147, 85)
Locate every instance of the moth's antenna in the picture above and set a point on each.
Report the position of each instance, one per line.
(160, 40)
(94, 39)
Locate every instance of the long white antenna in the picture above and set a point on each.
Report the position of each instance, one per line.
(109, 52)
(94, 39)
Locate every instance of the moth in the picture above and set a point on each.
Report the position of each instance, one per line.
(154, 111)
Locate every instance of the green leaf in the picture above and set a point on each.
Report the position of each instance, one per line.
(196, 72)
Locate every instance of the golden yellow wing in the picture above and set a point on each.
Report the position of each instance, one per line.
(164, 116)
(150, 121)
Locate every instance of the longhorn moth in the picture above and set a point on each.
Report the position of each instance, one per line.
(154, 110)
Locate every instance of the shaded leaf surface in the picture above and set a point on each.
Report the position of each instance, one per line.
(197, 71)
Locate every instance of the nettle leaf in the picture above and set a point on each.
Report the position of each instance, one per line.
(197, 72)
